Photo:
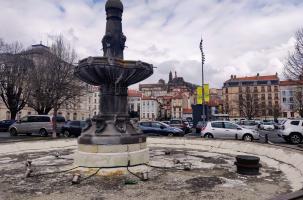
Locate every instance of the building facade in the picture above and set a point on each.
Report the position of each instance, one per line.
(291, 98)
(149, 108)
(134, 103)
(252, 97)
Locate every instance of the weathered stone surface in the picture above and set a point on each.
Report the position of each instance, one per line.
(97, 160)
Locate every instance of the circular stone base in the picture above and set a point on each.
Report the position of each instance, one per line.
(111, 155)
(113, 171)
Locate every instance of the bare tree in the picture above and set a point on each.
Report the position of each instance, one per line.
(14, 75)
(293, 68)
(298, 99)
(249, 105)
(53, 82)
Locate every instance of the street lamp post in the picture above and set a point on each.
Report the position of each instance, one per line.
(203, 91)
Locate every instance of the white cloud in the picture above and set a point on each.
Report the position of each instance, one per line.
(242, 37)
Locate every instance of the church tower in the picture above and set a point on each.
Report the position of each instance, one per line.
(170, 76)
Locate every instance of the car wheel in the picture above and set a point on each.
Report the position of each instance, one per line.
(208, 135)
(66, 134)
(248, 138)
(170, 134)
(43, 132)
(295, 138)
(13, 132)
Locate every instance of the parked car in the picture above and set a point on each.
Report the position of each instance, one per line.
(4, 125)
(249, 124)
(292, 131)
(159, 128)
(33, 124)
(181, 124)
(166, 122)
(228, 130)
(73, 128)
(199, 126)
(269, 126)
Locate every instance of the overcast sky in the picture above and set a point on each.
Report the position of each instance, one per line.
(242, 37)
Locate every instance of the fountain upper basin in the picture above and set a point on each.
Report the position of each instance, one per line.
(103, 70)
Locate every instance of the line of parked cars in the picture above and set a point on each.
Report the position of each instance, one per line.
(291, 130)
(42, 125)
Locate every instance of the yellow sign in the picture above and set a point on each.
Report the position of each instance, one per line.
(206, 94)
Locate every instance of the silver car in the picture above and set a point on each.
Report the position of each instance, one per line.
(33, 124)
(228, 130)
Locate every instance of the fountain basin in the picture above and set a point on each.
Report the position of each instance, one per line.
(103, 70)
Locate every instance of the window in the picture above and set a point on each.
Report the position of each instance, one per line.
(283, 93)
(24, 119)
(269, 88)
(230, 125)
(292, 114)
(285, 114)
(284, 99)
(217, 124)
(75, 123)
(276, 88)
(145, 124)
(32, 119)
(43, 119)
(156, 125)
(295, 123)
(8, 114)
(262, 89)
(291, 99)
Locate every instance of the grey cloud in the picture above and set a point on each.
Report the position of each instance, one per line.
(240, 37)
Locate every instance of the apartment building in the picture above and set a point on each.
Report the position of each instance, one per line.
(291, 98)
(252, 97)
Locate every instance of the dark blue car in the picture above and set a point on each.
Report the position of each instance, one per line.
(159, 128)
(4, 125)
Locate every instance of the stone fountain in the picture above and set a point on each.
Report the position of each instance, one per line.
(112, 140)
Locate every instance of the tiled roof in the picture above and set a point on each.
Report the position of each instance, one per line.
(178, 96)
(164, 97)
(187, 110)
(255, 78)
(291, 82)
(148, 98)
(134, 93)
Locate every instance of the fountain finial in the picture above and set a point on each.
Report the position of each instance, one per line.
(115, 4)
(114, 40)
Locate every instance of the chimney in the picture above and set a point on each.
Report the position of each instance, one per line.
(235, 76)
(231, 77)
(258, 74)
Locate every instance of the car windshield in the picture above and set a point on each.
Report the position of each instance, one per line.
(163, 124)
(249, 123)
(267, 123)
